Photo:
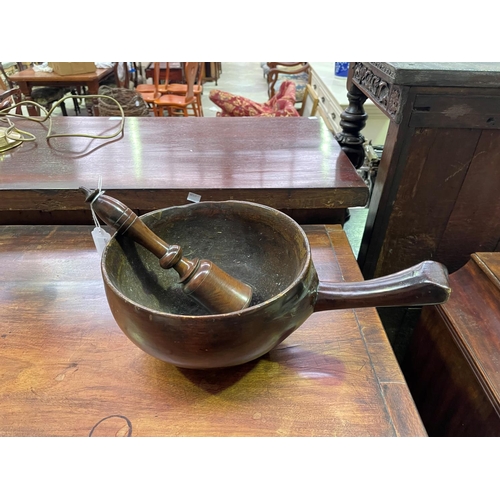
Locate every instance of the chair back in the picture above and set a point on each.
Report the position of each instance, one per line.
(167, 74)
(121, 75)
(9, 98)
(199, 74)
(6, 78)
(156, 77)
(191, 70)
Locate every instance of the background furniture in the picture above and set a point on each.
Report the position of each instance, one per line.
(282, 104)
(156, 86)
(181, 103)
(436, 191)
(452, 364)
(175, 72)
(291, 165)
(151, 92)
(182, 88)
(28, 79)
(67, 370)
(211, 72)
(332, 95)
(9, 98)
(279, 72)
(44, 96)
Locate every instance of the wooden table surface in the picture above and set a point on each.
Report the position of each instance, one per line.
(291, 165)
(67, 370)
(28, 78)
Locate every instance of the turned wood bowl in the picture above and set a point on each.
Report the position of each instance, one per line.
(259, 246)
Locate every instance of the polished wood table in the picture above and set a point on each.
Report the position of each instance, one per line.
(28, 78)
(292, 165)
(67, 370)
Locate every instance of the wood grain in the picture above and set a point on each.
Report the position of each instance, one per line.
(419, 215)
(433, 196)
(286, 164)
(480, 188)
(67, 370)
(452, 364)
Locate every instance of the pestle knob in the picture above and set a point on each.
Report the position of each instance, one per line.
(202, 280)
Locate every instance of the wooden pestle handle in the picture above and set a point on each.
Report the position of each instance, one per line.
(117, 215)
(423, 284)
(206, 283)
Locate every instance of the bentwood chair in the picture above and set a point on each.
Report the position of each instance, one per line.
(180, 104)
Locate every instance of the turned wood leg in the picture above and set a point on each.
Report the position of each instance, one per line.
(352, 120)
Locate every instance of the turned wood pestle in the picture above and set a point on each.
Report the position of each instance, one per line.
(202, 280)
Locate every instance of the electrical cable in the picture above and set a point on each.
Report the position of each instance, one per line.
(12, 133)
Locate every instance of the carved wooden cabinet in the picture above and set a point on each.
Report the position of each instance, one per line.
(437, 191)
(452, 366)
(332, 101)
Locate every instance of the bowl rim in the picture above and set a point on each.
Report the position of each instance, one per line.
(243, 312)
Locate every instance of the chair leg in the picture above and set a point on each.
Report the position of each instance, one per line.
(200, 106)
(63, 109)
(75, 102)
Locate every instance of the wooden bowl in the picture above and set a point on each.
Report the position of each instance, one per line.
(258, 245)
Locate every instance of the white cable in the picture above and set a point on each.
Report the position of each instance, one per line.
(94, 216)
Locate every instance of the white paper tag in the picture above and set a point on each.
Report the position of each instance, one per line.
(100, 238)
(195, 198)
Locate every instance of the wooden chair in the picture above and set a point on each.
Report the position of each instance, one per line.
(122, 76)
(152, 92)
(298, 72)
(146, 88)
(9, 98)
(180, 104)
(181, 89)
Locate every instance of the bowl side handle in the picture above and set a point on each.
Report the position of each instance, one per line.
(423, 284)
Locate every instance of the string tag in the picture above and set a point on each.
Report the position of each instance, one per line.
(101, 239)
(195, 198)
(99, 235)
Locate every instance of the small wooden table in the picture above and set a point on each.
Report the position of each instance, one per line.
(28, 78)
(67, 370)
(292, 165)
